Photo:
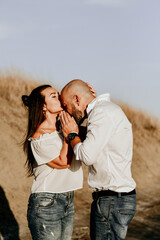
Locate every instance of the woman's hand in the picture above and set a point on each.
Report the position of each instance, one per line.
(91, 89)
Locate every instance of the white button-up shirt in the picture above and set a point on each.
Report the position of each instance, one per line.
(107, 149)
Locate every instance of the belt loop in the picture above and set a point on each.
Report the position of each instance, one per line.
(119, 195)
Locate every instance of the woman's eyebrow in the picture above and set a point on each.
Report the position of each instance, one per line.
(53, 93)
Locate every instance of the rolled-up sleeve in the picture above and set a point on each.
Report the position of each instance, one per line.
(75, 150)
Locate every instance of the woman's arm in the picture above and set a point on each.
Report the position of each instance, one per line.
(64, 159)
(57, 166)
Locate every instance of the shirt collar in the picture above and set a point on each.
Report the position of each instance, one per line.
(103, 97)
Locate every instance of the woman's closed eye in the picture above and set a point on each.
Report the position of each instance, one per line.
(54, 95)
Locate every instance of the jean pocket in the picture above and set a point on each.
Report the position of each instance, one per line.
(125, 214)
(103, 208)
(46, 201)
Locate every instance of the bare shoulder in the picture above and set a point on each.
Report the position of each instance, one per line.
(37, 133)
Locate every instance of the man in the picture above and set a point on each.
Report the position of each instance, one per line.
(107, 151)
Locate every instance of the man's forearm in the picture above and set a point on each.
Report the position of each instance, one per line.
(75, 141)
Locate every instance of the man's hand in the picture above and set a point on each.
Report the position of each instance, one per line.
(68, 124)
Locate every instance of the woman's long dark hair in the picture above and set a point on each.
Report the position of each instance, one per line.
(35, 102)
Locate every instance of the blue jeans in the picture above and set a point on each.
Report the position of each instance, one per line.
(110, 217)
(51, 215)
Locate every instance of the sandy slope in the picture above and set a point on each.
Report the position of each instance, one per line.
(15, 186)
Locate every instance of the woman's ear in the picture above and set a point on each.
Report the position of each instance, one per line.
(76, 100)
(44, 108)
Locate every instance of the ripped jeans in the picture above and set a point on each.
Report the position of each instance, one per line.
(110, 217)
(51, 215)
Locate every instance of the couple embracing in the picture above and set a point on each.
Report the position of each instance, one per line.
(55, 149)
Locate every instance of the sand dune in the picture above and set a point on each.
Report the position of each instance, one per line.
(15, 186)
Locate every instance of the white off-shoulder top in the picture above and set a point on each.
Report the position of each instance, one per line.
(47, 179)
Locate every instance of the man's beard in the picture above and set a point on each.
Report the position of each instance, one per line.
(77, 114)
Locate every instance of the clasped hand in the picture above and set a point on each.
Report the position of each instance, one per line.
(68, 124)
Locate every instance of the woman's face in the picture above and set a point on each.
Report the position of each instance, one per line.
(52, 102)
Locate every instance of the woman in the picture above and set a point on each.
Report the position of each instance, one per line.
(50, 209)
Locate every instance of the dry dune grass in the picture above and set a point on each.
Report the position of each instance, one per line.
(15, 186)
(13, 182)
(146, 153)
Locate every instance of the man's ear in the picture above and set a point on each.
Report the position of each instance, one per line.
(76, 100)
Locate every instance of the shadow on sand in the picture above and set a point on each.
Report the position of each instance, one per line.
(146, 224)
(9, 228)
(141, 231)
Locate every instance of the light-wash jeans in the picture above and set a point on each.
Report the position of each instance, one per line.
(110, 217)
(51, 215)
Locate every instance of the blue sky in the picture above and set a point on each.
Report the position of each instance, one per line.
(112, 44)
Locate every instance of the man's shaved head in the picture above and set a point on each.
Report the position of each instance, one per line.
(75, 97)
(76, 86)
